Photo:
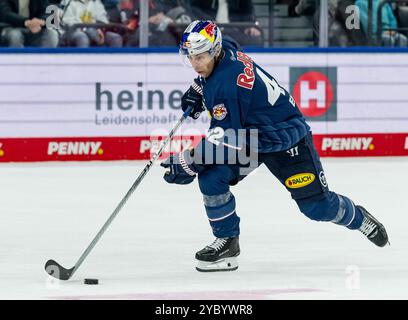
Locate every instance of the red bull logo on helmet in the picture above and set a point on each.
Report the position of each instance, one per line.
(209, 31)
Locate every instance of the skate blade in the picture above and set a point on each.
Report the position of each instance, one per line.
(227, 264)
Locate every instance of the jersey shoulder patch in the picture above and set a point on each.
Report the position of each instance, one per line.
(219, 112)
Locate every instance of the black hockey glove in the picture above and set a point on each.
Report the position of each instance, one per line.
(182, 169)
(193, 97)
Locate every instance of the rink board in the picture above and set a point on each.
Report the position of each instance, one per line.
(112, 106)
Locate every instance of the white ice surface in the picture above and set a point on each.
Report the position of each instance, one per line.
(54, 210)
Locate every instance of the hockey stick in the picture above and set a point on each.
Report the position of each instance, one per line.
(54, 269)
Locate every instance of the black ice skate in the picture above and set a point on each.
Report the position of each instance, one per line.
(221, 255)
(373, 229)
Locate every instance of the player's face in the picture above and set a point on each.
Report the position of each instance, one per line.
(202, 63)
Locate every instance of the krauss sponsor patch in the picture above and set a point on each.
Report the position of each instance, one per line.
(299, 180)
(219, 112)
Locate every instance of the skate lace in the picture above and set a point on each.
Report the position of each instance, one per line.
(368, 226)
(218, 243)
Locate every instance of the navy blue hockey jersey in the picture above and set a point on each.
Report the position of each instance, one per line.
(241, 95)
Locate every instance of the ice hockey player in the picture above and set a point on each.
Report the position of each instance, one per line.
(240, 96)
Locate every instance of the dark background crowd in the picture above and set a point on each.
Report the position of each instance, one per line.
(259, 23)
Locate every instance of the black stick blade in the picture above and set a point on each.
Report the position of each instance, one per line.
(54, 269)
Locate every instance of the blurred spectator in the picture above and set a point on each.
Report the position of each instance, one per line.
(24, 24)
(226, 11)
(302, 7)
(164, 16)
(339, 35)
(110, 4)
(356, 37)
(89, 12)
(120, 11)
(112, 8)
(388, 21)
(402, 17)
(309, 9)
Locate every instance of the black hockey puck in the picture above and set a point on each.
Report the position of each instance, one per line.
(91, 281)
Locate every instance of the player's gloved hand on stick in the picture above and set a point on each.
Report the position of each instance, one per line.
(193, 97)
(182, 168)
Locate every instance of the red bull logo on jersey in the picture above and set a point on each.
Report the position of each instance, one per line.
(74, 148)
(247, 78)
(219, 112)
(299, 180)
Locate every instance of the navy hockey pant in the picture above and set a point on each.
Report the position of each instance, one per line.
(299, 169)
